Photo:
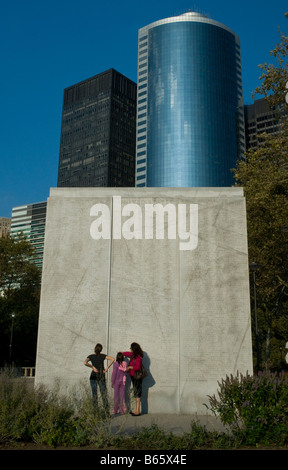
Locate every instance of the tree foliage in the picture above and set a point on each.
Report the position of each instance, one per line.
(274, 76)
(19, 294)
(264, 176)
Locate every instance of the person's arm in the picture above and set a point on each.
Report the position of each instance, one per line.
(128, 354)
(87, 363)
(113, 376)
(136, 363)
(111, 359)
(123, 366)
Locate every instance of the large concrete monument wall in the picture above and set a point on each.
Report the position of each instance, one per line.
(185, 300)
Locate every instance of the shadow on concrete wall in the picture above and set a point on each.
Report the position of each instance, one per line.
(147, 383)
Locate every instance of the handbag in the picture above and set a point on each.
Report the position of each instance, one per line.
(141, 373)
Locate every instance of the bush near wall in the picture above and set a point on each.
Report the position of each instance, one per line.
(254, 407)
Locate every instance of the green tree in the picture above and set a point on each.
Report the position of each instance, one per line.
(274, 76)
(264, 176)
(19, 295)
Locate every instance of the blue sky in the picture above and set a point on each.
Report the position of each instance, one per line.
(47, 47)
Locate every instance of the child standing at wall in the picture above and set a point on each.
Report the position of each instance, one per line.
(118, 383)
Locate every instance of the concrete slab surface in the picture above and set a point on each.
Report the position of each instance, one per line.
(177, 424)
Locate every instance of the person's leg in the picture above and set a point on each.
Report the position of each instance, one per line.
(116, 406)
(94, 391)
(103, 391)
(93, 384)
(122, 398)
(137, 390)
(137, 408)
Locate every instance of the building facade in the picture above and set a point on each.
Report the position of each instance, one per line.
(5, 225)
(97, 145)
(259, 118)
(30, 220)
(190, 118)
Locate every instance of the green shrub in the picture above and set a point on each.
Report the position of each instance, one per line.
(52, 424)
(37, 415)
(254, 407)
(18, 404)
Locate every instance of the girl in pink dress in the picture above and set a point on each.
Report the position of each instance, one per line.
(118, 383)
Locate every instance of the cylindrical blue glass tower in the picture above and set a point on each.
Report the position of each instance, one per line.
(190, 125)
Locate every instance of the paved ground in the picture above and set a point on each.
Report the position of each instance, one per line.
(178, 424)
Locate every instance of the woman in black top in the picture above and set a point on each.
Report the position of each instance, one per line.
(97, 378)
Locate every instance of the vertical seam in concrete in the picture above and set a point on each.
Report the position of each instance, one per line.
(109, 281)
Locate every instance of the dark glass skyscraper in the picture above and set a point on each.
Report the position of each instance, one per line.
(97, 145)
(190, 122)
(260, 118)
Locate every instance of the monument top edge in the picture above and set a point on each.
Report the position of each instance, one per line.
(147, 192)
